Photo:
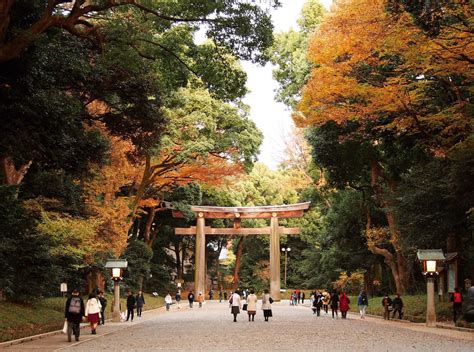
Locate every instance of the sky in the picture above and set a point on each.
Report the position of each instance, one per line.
(271, 117)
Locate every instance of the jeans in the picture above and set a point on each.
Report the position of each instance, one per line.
(191, 304)
(73, 328)
(167, 306)
(362, 309)
(139, 311)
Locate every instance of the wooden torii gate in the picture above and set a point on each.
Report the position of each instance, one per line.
(237, 213)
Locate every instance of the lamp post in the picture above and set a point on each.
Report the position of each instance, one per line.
(429, 259)
(117, 266)
(286, 250)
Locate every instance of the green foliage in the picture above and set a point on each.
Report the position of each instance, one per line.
(24, 252)
(138, 255)
(289, 53)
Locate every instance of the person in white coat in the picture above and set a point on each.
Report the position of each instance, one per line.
(252, 305)
(168, 301)
(93, 309)
(235, 304)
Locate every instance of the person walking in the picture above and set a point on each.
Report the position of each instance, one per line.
(211, 295)
(252, 305)
(362, 302)
(131, 302)
(178, 299)
(344, 304)
(191, 299)
(303, 296)
(334, 303)
(74, 311)
(200, 299)
(457, 299)
(140, 302)
(235, 304)
(225, 295)
(220, 296)
(92, 312)
(168, 301)
(103, 303)
(387, 306)
(267, 301)
(397, 305)
(326, 299)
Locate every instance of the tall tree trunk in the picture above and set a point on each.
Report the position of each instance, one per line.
(396, 262)
(149, 222)
(389, 258)
(177, 254)
(238, 259)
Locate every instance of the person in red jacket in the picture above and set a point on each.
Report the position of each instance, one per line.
(457, 304)
(344, 304)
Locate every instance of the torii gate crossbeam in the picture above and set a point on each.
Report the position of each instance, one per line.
(238, 213)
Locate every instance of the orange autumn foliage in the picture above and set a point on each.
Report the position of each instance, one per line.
(370, 63)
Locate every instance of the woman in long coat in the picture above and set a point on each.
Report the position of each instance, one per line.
(334, 303)
(343, 304)
(252, 305)
(267, 305)
(235, 304)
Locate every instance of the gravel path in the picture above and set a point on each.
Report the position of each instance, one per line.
(291, 329)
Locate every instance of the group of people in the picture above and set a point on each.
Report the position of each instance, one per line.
(76, 311)
(249, 303)
(297, 297)
(322, 300)
(134, 302)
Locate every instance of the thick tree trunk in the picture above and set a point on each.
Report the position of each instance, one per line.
(238, 259)
(396, 262)
(149, 222)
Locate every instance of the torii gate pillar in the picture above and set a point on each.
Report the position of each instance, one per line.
(274, 258)
(200, 265)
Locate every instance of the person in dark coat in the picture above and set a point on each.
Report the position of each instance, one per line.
(103, 303)
(303, 296)
(334, 303)
(191, 299)
(130, 305)
(397, 305)
(140, 302)
(387, 305)
(74, 313)
(317, 303)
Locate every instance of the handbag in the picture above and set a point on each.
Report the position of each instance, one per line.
(244, 307)
(64, 331)
(271, 300)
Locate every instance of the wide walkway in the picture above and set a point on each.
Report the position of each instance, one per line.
(291, 329)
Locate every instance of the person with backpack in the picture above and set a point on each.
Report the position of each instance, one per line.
(92, 313)
(457, 304)
(74, 313)
(103, 303)
(362, 302)
(334, 303)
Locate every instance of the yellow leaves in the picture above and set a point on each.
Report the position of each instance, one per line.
(377, 235)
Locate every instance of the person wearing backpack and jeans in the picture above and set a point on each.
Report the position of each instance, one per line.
(74, 311)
